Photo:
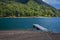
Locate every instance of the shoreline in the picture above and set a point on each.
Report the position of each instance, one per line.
(29, 17)
(28, 35)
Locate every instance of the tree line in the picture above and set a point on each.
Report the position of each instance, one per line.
(31, 8)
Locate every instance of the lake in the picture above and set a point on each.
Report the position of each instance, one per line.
(52, 24)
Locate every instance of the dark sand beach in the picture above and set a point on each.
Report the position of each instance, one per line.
(28, 35)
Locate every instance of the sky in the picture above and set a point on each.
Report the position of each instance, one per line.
(54, 3)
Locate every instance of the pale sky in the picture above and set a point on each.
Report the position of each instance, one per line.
(55, 3)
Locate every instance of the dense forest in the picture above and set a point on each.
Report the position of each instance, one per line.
(24, 8)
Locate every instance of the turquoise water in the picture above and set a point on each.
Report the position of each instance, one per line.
(53, 24)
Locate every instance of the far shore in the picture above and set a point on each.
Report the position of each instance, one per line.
(29, 17)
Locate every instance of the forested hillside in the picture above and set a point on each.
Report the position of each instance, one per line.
(24, 8)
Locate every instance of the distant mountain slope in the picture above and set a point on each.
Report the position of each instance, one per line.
(18, 8)
(59, 9)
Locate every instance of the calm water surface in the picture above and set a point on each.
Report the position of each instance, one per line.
(53, 24)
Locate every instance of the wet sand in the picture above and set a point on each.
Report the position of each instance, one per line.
(55, 36)
(28, 35)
